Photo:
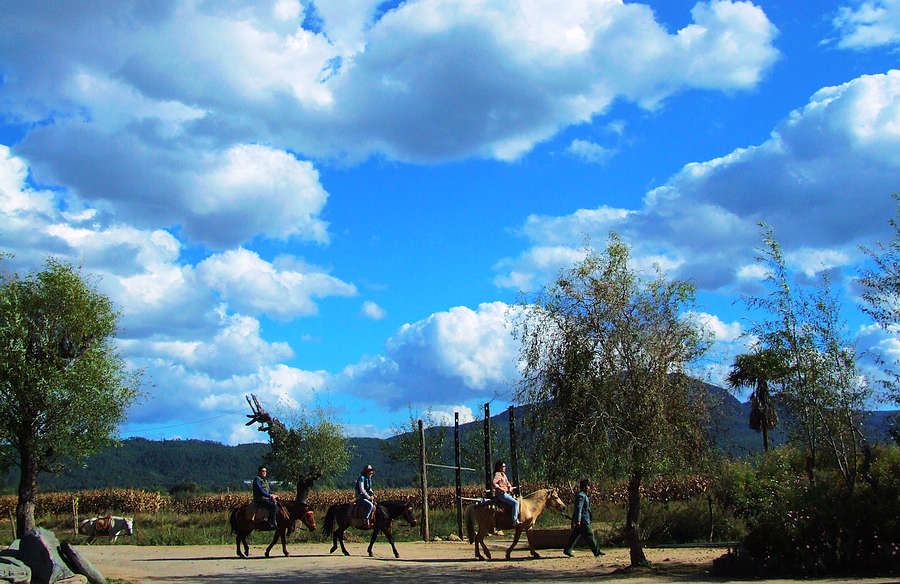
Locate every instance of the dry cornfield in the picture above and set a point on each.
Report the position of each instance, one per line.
(138, 501)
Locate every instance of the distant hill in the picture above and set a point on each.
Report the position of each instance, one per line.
(151, 464)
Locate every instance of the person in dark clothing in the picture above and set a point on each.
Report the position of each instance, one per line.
(581, 520)
(263, 495)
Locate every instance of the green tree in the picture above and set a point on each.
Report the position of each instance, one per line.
(881, 296)
(313, 447)
(822, 388)
(756, 370)
(63, 388)
(404, 446)
(604, 354)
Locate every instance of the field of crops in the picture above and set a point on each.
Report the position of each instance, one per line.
(130, 501)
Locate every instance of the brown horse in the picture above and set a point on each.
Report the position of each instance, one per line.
(530, 507)
(385, 512)
(246, 518)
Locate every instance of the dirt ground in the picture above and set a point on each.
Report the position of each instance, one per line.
(423, 563)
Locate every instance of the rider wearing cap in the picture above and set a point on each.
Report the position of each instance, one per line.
(364, 493)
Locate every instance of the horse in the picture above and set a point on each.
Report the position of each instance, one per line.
(246, 518)
(385, 512)
(109, 526)
(530, 507)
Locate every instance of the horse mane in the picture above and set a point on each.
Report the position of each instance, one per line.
(393, 503)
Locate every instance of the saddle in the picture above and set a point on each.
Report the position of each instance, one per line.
(358, 513)
(103, 525)
(259, 516)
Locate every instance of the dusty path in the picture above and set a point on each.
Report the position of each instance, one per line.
(431, 563)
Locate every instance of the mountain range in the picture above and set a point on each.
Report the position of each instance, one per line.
(171, 465)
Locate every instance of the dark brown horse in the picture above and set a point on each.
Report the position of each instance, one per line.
(385, 512)
(246, 518)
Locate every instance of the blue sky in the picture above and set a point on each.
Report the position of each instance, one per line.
(339, 204)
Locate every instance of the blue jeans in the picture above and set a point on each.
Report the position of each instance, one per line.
(369, 505)
(510, 501)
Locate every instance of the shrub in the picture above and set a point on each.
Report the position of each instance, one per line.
(799, 528)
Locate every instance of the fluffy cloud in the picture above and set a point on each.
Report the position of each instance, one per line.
(458, 354)
(251, 284)
(372, 310)
(868, 24)
(433, 79)
(821, 180)
(589, 151)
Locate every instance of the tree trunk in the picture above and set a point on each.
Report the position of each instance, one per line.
(765, 433)
(632, 521)
(27, 491)
(304, 486)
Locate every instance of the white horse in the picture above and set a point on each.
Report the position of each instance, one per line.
(109, 526)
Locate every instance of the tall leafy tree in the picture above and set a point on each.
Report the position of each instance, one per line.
(404, 445)
(821, 387)
(757, 370)
(310, 448)
(604, 354)
(63, 388)
(881, 296)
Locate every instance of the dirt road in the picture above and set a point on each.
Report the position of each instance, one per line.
(431, 563)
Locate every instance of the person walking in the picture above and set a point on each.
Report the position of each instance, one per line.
(581, 521)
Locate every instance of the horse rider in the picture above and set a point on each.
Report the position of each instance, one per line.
(263, 495)
(364, 493)
(503, 491)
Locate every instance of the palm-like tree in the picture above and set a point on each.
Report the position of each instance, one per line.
(757, 370)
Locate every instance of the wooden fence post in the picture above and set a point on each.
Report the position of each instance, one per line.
(425, 534)
(458, 477)
(12, 522)
(513, 447)
(487, 447)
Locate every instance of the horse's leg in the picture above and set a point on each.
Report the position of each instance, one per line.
(534, 553)
(274, 539)
(237, 545)
(341, 540)
(284, 543)
(515, 541)
(244, 537)
(372, 541)
(388, 532)
(334, 541)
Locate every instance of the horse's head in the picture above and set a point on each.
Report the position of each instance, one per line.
(554, 500)
(129, 525)
(304, 512)
(409, 513)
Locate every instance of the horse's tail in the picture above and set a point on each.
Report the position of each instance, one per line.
(470, 523)
(232, 520)
(328, 523)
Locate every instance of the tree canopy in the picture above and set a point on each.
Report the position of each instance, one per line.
(312, 447)
(63, 388)
(604, 352)
(821, 386)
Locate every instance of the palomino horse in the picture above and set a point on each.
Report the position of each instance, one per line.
(246, 518)
(530, 507)
(110, 526)
(385, 512)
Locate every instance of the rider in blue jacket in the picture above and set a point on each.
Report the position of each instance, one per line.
(364, 493)
(263, 495)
